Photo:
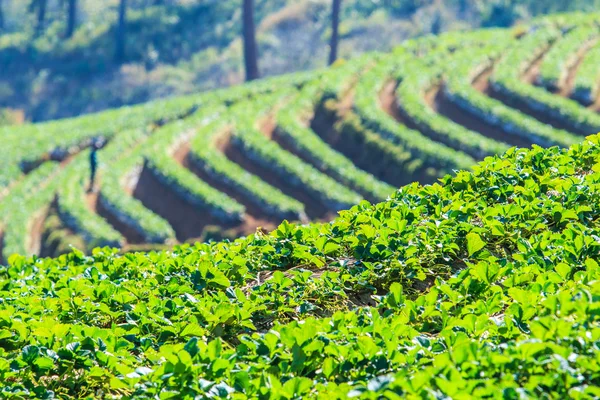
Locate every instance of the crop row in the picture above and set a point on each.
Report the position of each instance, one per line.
(248, 138)
(416, 78)
(159, 161)
(459, 90)
(399, 308)
(26, 203)
(587, 82)
(118, 180)
(205, 154)
(366, 105)
(292, 127)
(507, 81)
(565, 54)
(75, 212)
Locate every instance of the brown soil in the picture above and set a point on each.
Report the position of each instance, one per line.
(268, 127)
(566, 88)
(187, 220)
(443, 106)
(131, 235)
(314, 208)
(389, 103)
(482, 81)
(36, 231)
(531, 73)
(255, 217)
(528, 77)
(1, 248)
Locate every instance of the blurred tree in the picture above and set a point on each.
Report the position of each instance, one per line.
(39, 7)
(250, 47)
(71, 18)
(335, 26)
(1, 15)
(121, 32)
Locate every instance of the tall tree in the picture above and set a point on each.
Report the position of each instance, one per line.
(335, 28)
(71, 18)
(121, 32)
(1, 16)
(39, 7)
(250, 47)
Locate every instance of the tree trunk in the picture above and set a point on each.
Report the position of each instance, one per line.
(335, 26)
(1, 16)
(121, 32)
(41, 17)
(250, 47)
(71, 18)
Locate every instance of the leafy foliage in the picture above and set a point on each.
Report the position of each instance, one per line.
(483, 284)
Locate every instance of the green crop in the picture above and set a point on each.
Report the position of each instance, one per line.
(483, 285)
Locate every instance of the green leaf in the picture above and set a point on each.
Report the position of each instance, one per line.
(474, 243)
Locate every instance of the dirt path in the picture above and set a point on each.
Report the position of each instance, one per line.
(482, 81)
(566, 87)
(531, 73)
(389, 103)
(35, 232)
(437, 100)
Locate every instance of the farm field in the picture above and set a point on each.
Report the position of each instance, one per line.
(298, 147)
(418, 224)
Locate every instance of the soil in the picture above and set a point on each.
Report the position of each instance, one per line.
(187, 220)
(482, 81)
(255, 216)
(528, 78)
(131, 235)
(36, 231)
(437, 100)
(389, 103)
(1, 247)
(314, 208)
(567, 86)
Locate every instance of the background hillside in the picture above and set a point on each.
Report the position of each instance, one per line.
(183, 46)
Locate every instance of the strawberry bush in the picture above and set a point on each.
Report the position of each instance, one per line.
(482, 285)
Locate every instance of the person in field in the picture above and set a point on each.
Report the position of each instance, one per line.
(93, 165)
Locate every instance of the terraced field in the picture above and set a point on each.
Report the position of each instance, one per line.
(298, 147)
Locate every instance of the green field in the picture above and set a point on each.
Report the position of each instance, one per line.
(477, 278)
(297, 147)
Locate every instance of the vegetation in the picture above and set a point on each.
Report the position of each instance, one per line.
(79, 61)
(444, 290)
(422, 223)
(297, 147)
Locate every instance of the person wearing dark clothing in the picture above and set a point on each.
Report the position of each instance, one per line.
(93, 166)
